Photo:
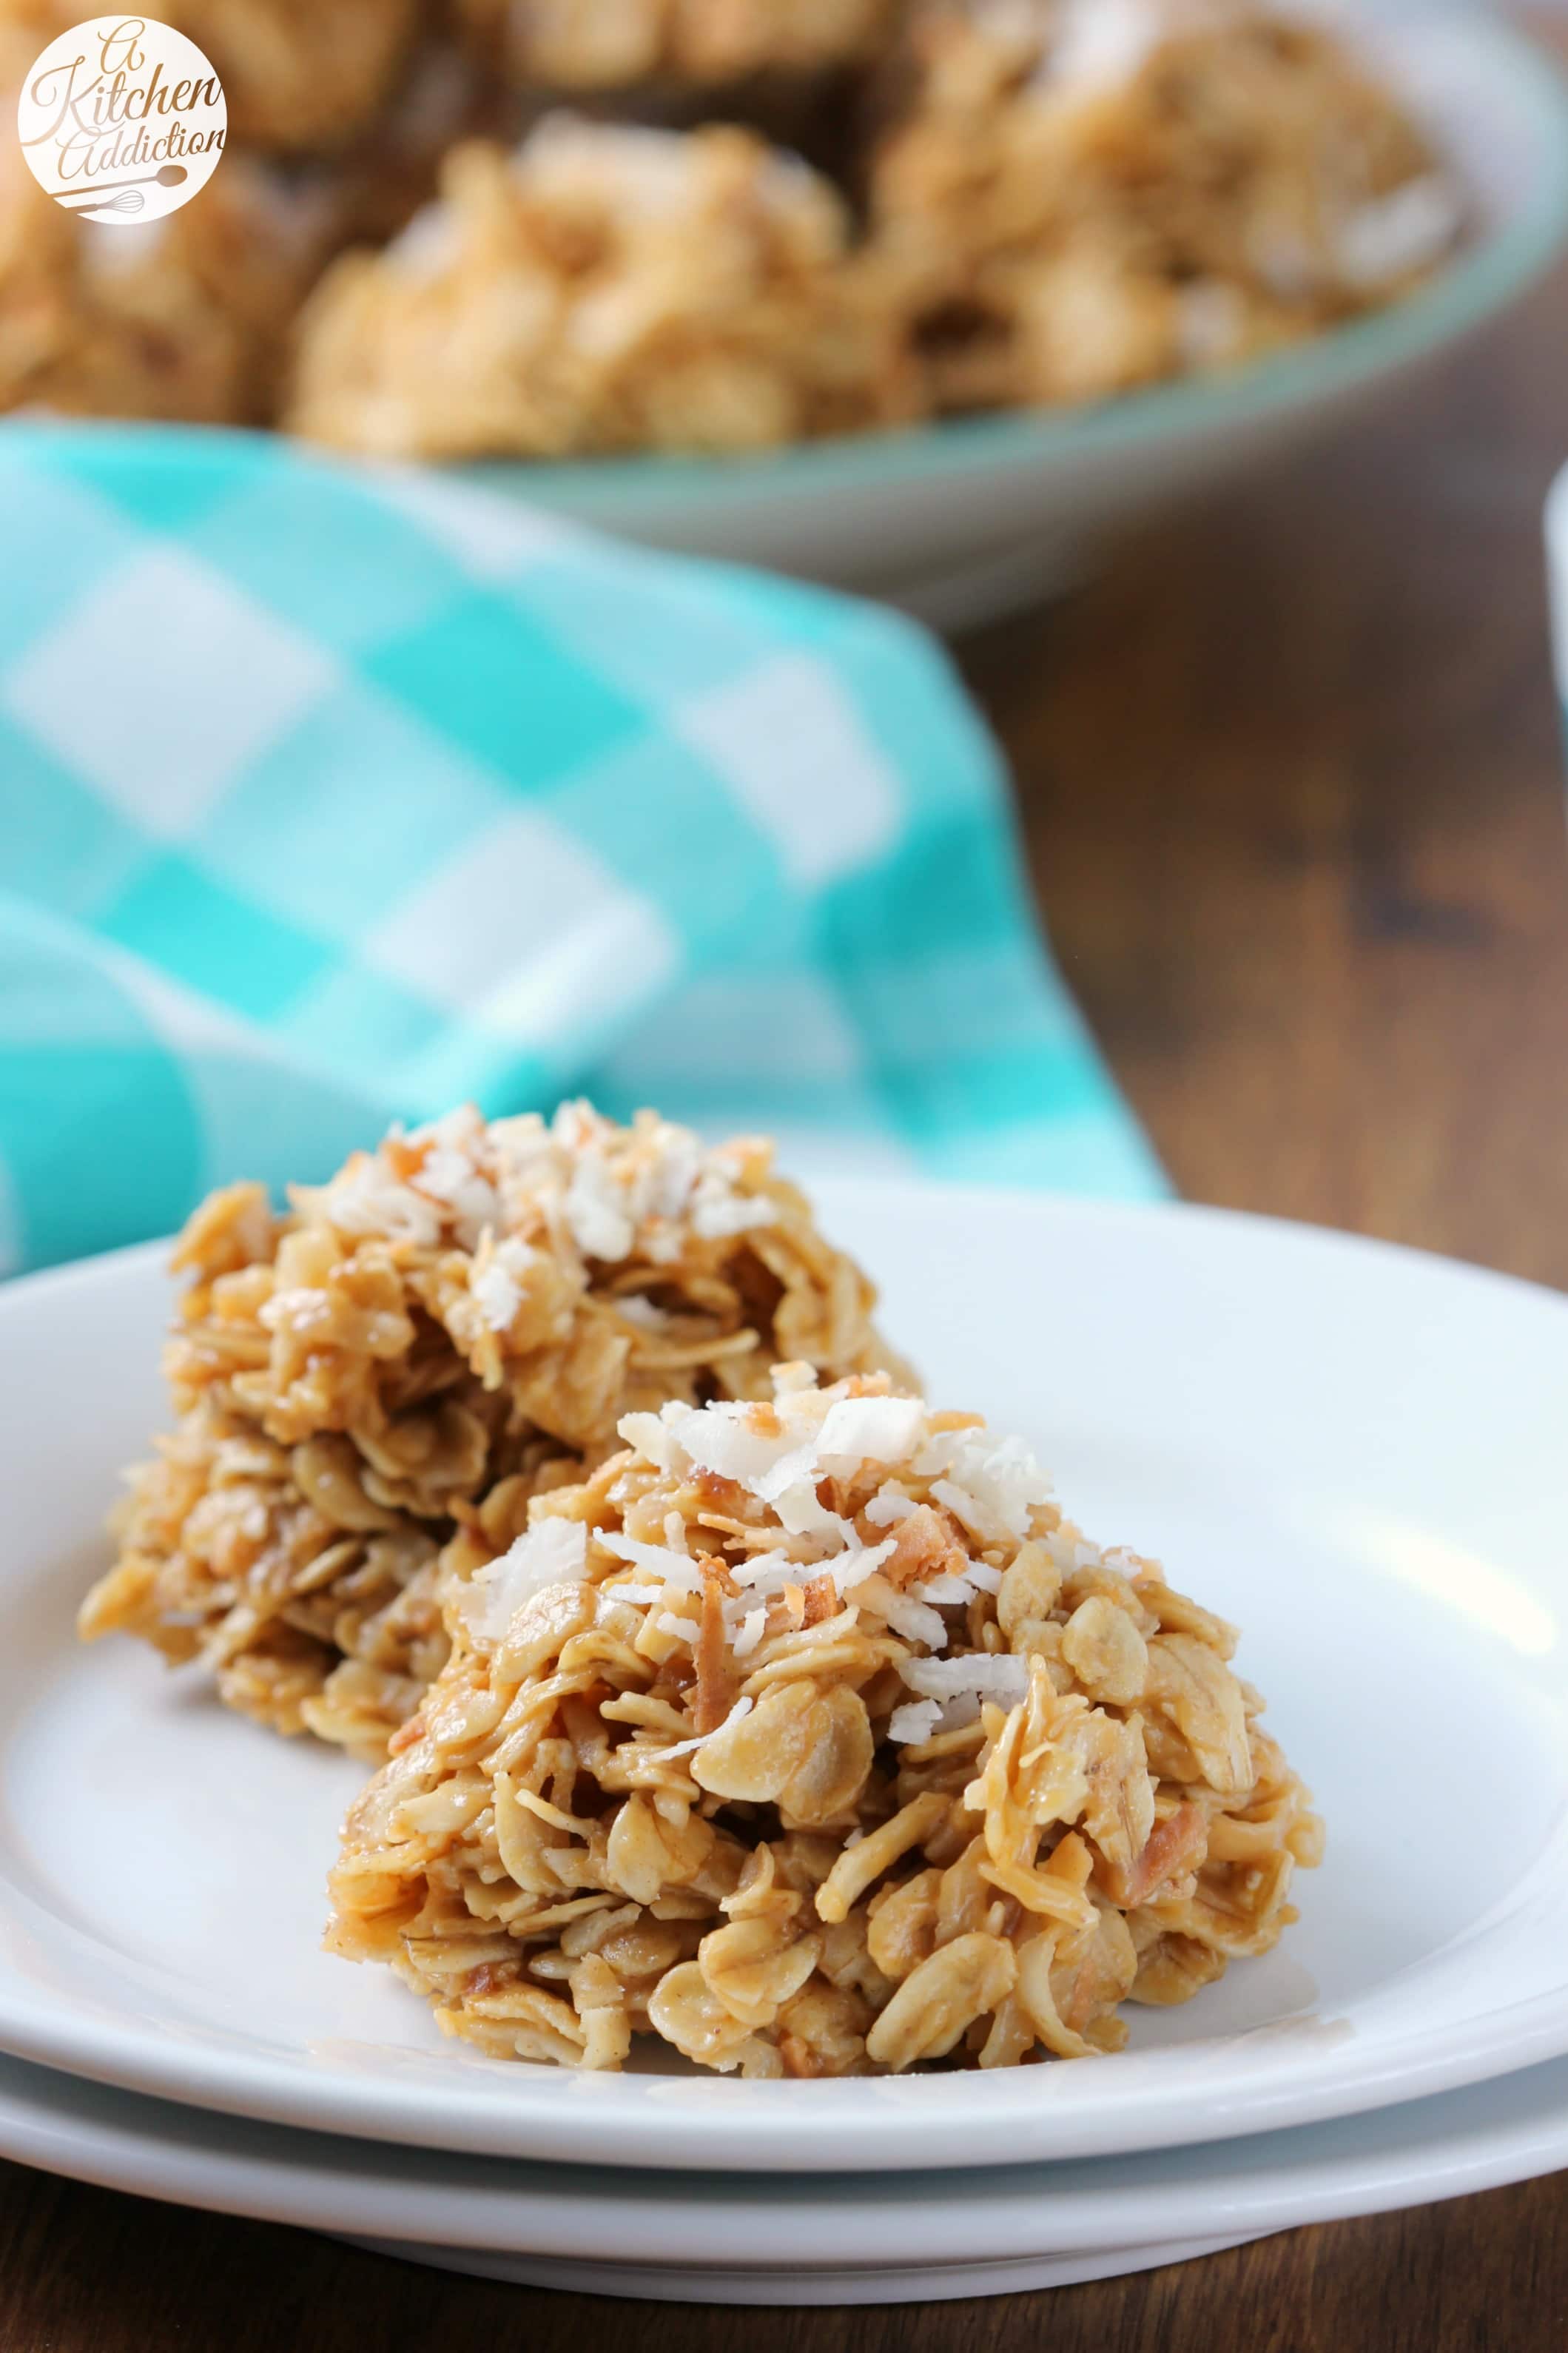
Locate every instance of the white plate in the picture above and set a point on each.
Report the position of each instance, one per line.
(835, 2238)
(964, 519)
(1354, 1450)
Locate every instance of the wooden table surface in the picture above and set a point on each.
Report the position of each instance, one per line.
(1291, 776)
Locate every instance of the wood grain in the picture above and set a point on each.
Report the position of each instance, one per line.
(1292, 785)
(1290, 781)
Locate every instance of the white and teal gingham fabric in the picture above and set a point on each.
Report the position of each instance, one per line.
(330, 796)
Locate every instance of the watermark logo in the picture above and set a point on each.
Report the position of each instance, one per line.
(122, 120)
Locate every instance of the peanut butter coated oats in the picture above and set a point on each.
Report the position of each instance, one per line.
(808, 1737)
(372, 1388)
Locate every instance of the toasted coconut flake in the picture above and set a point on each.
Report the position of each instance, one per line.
(742, 1708)
(552, 1552)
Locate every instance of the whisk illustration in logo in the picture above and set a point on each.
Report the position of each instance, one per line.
(122, 120)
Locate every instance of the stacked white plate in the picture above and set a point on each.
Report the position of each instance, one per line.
(1355, 1451)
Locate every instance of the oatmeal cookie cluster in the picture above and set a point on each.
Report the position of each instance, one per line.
(372, 1388)
(809, 1737)
(606, 286)
(1081, 196)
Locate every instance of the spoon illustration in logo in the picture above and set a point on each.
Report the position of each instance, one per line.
(120, 196)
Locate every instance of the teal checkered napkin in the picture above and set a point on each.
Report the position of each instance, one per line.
(331, 796)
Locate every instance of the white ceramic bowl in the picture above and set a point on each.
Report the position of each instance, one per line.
(962, 518)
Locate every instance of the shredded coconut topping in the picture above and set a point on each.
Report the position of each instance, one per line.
(751, 1633)
(550, 1552)
(870, 1429)
(497, 1284)
(742, 1707)
(998, 1677)
(779, 1455)
(915, 1722)
(677, 1569)
(365, 1198)
(951, 1691)
(609, 1194)
(889, 1505)
(497, 1295)
(991, 1488)
(617, 1191)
